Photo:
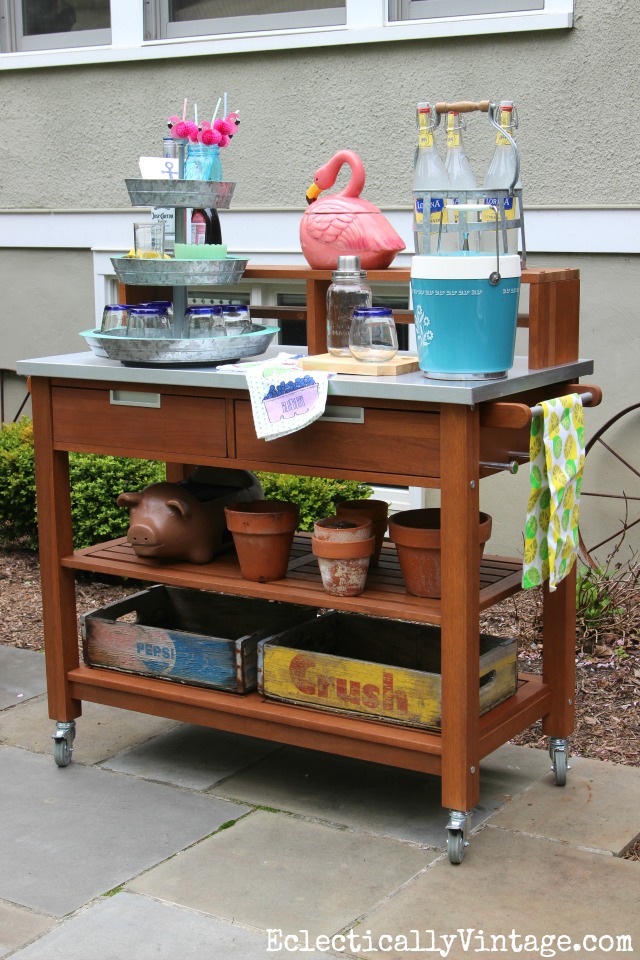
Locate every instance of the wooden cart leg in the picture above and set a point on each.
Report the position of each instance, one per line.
(459, 458)
(54, 531)
(559, 668)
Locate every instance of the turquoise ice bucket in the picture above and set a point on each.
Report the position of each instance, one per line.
(466, 313)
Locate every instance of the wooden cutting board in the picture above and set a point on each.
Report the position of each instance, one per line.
(386, 368)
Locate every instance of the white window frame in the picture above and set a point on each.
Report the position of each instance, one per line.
(367, 22)
(13, 37)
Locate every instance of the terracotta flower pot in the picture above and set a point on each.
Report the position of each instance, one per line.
(263, 534)
(376, 511)
(416, 534)
(343, 548)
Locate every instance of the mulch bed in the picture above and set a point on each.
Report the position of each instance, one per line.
(608, 672)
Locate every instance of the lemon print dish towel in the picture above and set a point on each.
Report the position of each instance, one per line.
(556, 449)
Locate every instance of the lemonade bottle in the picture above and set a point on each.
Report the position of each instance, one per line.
(460, 178)
(429, 174)
(500, 175)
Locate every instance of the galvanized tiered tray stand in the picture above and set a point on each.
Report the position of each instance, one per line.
(178, 275)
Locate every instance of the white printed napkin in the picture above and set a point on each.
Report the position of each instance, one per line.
(284, 397)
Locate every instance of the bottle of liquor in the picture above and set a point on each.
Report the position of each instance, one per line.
(499, 175)
(167, 215)
(199, 227)
(214, 232)
(429, 174)
(460, 178)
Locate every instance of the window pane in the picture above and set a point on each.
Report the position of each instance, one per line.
(213, 9)
(423, 9)
(60, 16)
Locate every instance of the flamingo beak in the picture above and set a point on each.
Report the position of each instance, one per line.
(313, 193)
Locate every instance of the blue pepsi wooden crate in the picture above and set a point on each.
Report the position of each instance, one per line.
(189, 636)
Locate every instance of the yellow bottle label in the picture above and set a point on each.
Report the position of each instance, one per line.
(505, 123)
(425, 138)
(489, 214)
(453, 138)
(438, 211)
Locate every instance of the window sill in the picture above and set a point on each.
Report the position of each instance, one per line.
(129, 48)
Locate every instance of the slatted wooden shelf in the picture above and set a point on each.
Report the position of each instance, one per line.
(385, 595)
(250, 714)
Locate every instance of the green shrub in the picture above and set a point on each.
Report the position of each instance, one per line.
(18, 522)
(316, 496)
(95, 483)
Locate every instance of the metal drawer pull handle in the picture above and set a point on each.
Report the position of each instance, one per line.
(134, 398)
(343, 415)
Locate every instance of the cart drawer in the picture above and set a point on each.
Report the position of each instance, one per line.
(139, 422)
(351, 437)
(382, 669)
(189, 636)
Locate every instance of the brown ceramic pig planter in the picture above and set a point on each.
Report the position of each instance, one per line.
(183, 521)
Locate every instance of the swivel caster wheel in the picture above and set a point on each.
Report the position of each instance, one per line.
(559, 753)
(457, 842)
(63, 742)
(456, 846)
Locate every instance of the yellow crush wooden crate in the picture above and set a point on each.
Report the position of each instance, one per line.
(383, 669)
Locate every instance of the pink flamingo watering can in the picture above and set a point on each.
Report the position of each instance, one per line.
(343, 223)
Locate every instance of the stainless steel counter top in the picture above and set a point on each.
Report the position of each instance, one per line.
(410, 386)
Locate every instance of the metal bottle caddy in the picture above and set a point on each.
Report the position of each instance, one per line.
(472, 201)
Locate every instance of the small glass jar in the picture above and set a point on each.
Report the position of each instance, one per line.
(236, 318)
(203, 322)
(149, 322)
(115, 317)
(373, 336)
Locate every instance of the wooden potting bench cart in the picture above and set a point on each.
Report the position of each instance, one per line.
(388, 430)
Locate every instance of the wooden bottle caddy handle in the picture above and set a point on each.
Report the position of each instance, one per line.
(463, 106)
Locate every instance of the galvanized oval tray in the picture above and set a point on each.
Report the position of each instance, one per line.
(172, 273)
(180, 193)
(138, 351)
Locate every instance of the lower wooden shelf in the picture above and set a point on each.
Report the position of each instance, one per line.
(363, 739)
(385, 595)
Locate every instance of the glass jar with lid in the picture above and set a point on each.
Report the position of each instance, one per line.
(349, 291)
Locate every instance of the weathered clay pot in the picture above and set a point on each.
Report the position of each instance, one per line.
(343, 548)
(263, 534)
(416, 534)
(376, 511)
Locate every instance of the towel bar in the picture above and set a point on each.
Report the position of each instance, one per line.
(585, 397)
